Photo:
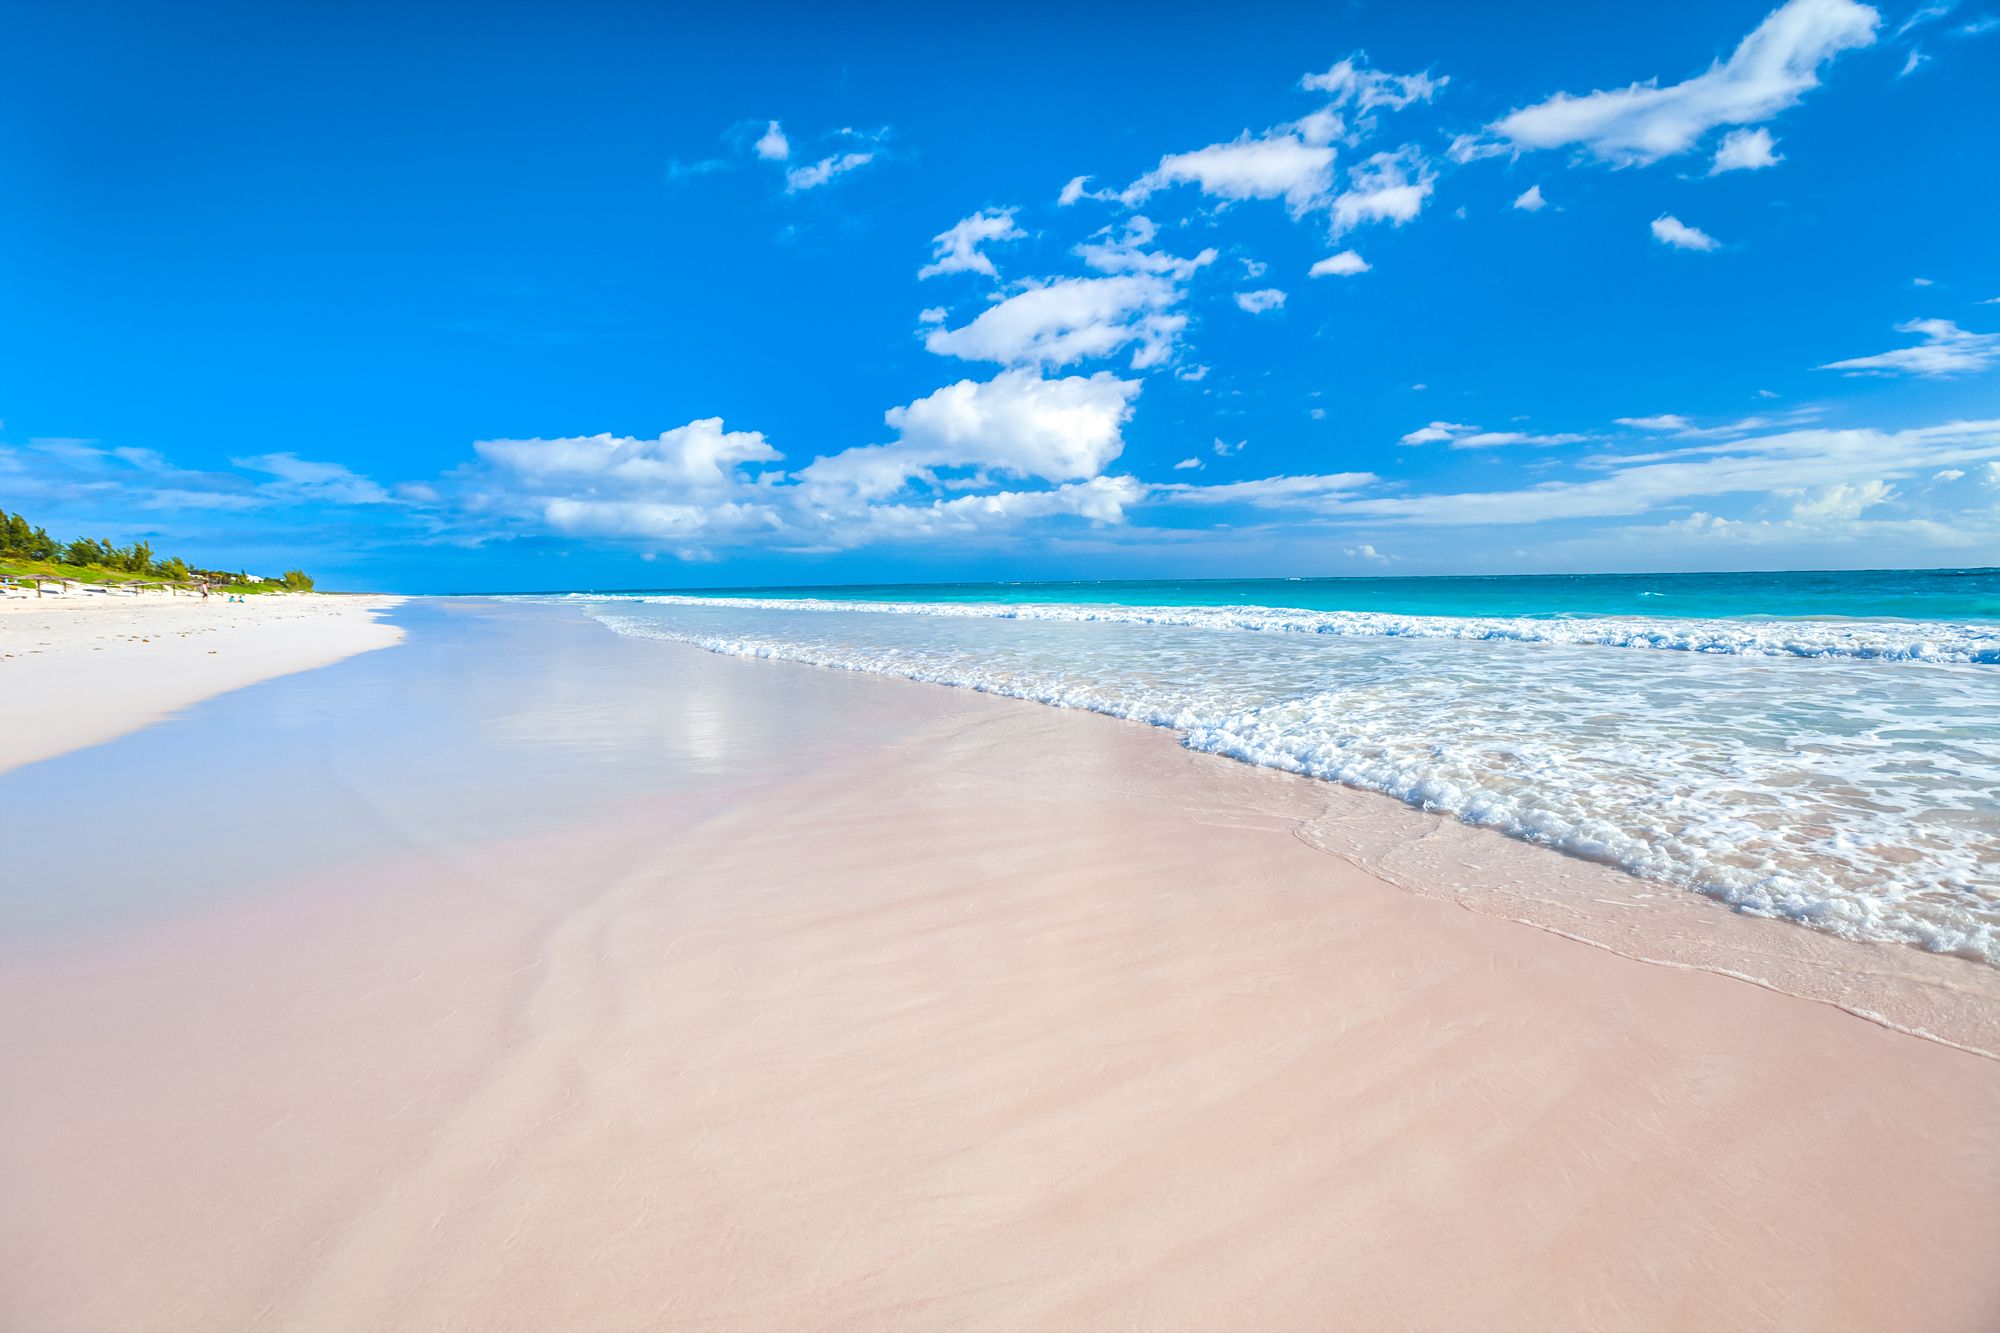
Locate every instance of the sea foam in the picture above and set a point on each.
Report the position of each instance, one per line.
(1892, 641)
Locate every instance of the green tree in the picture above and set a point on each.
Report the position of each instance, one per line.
(297, 580)
(14, 533)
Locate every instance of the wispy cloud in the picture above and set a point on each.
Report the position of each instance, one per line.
(958, 248)
(1945, 350)
(1770, 70)
(819, 173)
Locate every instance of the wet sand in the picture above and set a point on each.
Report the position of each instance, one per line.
(641, 988)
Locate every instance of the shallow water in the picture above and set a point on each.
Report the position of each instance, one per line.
(1844, 774)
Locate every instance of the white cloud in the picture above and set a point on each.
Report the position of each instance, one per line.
(1352, 82)
(772, 145)
(1946, 350)
(1530, 200)
(1255, 268)
(1462, 436)
(1388, 187)
(1076, 190)
(1021, 425)
(1271, 492)
(1343, 265)
(1466, 148)
(1843, 500)
(1257, 302)
(1926, 14)
(1915, 61)
(1492, 439)
(302, 479)
(1770, 70)
(1223, 449)
(1071, 319)
(1668, 421)
(1016, 424)
(1116, 250)
(1745, 150)
(1670, 230)
(824, 170)
(1189, 465)
(700, 486)
(956, 250)
(1791, 463)
(1295, 161)
(1277, 165)
(1365, 552)
(1437, 430)
(700, 457)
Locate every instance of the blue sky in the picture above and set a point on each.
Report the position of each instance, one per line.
(441, 297)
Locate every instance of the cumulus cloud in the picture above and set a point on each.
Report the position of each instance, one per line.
(772, 145)
(698, 458)
(1343, 265)
(701, 486)
(1671, 231)
(1021, 425)
(1744, 150)
(1071, 319)
(1280, 164)
(1946, 350)
(1388, 187)
(1257, 302)
(1530, 200)
(1843, 501)
(1770, 70)
(957, 248)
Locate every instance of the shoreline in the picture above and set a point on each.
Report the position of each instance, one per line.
(99, 666)
(1933, 995)
(819, 999)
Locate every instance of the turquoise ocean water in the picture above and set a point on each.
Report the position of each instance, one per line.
(1926, 594)
(1821, 747)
